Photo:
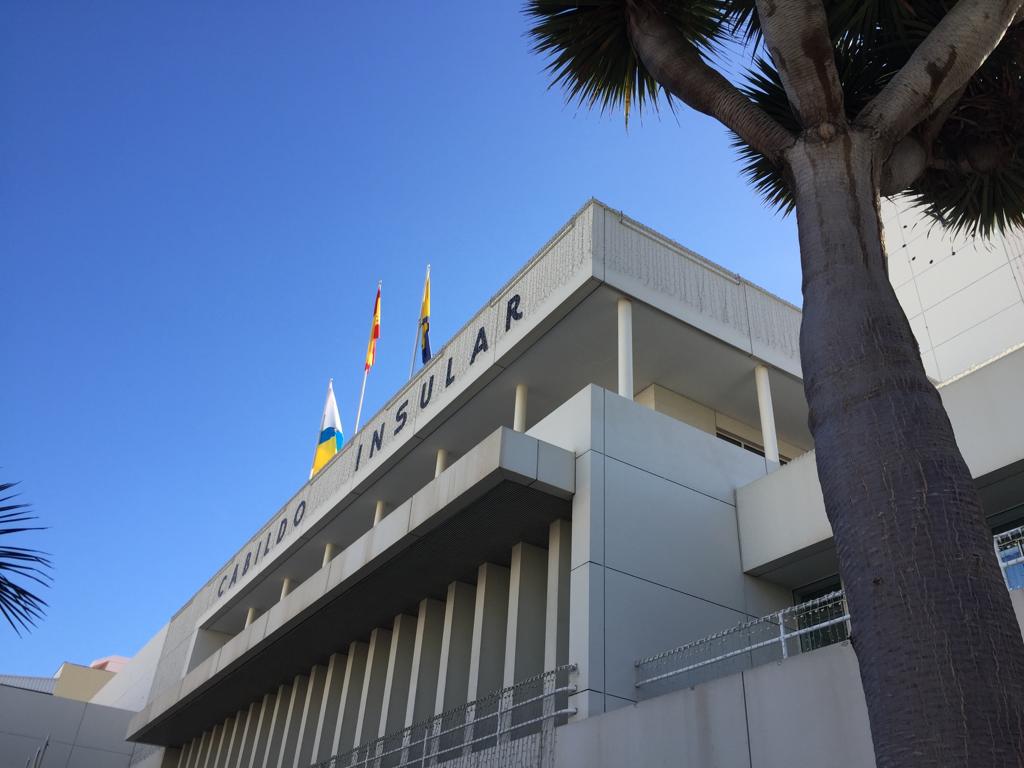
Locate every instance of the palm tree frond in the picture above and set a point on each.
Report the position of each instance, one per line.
(590, 54)
(20, 606)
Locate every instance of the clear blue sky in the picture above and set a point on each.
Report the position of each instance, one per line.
(196, 203)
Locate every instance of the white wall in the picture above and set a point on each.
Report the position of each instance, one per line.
(784, 514)
(806, 711)
(129, 688)
(655, 553)
(964, 297)
(985, 407)
(81, 735)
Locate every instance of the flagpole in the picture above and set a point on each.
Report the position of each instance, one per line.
(366, 367)
(415, 344)
(362, 392)
(419, 326)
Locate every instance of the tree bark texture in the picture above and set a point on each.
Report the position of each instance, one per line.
(941, 656)
(681, 70)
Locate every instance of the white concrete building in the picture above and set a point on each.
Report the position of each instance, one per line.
(964, 296)
(497, 568)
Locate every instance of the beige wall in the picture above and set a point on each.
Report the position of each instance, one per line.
(664, 400)
(80, 683)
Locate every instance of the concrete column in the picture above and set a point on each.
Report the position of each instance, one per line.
(372, 698)
(310, 716)
(379, 511)
(330, 708)
(527, 607)
(222, 743)
(519, 418)
(262, 734)
(330, 550)
(626, 348)
(245, 753)
(441, 464)
(351, 690)
(490, 622)
(456, 644)
(426, 659)
(235, 742)
(292, 719)
(204, 749)
(276, 730)
(764, 407)
(397, 679)
(556, 621)
(250, 615)
(192, 753)
(216, 736)
(286, 587)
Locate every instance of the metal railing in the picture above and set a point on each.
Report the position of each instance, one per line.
(1009, 547)
(511, 728)
(803, 627)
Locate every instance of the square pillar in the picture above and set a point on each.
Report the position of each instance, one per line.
(527, 606)
(456, 644)
(330, 708)
(351, 693)
(490, 622)
(397, 681)
(426, 661)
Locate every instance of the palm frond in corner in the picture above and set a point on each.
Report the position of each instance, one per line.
(20, 566)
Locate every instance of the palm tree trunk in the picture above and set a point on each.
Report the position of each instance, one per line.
(941, 656)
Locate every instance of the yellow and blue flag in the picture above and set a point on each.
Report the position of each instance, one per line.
(425, 321)
(331, 434)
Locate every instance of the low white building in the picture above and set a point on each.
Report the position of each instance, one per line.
(495, 570)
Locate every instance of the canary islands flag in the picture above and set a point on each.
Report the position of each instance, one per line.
(371, 348)
(331, 433)
(425, 320)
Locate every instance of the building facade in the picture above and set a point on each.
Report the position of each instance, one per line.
(561, 543)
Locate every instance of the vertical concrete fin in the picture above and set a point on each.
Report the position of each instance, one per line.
(352, 689)
(490, 622)
(372, 697)
(276, 730)
(397, 680)
(426, 660)
(527, 609)
(556, 621)
(262, 735)
(221, 755)
(310, 716)
(237, 735)
(291, 722)
(249, 734)
(330, 708)
(456, 644)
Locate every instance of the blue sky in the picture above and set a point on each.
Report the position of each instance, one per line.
(196, 203)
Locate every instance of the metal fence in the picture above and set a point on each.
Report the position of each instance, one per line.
(1009, 547)
(511, 728)
(803, 627)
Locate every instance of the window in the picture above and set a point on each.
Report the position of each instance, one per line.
(821, 614)
(1010, 548)
(746, 445)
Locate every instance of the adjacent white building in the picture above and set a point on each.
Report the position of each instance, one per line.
(964, 296)
(558, 542)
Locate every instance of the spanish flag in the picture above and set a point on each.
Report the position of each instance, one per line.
(425, 321)
(371, 348)
(331, 434)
